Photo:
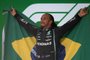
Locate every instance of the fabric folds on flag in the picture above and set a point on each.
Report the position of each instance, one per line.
(18, 43)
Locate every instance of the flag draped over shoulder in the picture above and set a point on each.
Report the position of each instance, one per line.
(18, 43)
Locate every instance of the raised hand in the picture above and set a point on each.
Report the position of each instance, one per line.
(83, 12)
(13, 11)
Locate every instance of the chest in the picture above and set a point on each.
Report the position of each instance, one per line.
(45, 38)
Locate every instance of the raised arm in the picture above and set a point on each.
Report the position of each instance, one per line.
(28, 27)
(72, 22)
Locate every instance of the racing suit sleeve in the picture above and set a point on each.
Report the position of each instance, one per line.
(28, 27)
(69, 25)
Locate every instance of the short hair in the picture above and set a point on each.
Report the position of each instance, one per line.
(53, 22)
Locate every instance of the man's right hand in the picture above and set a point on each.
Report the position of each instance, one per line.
(13, 12)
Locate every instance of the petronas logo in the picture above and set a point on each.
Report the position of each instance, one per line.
(61, 12)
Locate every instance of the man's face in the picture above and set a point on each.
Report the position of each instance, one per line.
(45, 20)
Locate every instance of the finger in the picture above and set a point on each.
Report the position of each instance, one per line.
(85, 9)
(12, 9)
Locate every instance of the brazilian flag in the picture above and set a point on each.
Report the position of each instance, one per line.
(18, 43)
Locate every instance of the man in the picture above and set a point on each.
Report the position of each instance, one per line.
(48, 35)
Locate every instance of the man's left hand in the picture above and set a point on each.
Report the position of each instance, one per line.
(83, 12)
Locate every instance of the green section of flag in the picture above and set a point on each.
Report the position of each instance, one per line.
(81, 34)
